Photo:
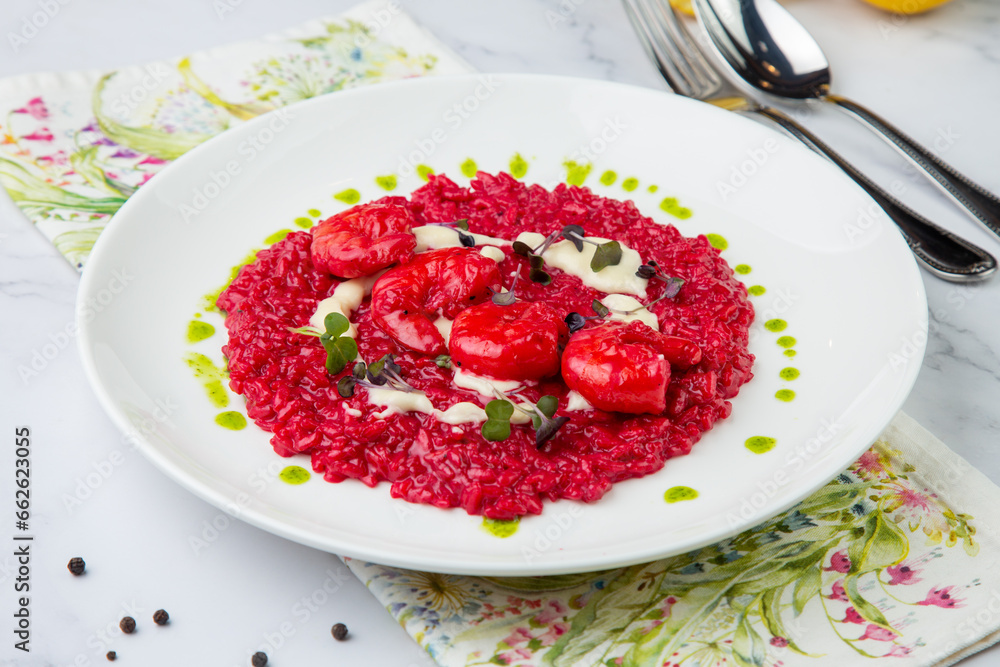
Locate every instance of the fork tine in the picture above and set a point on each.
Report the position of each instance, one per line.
(654, 44)
(671, 47)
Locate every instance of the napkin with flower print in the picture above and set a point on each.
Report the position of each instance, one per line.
(896, 558)
(74, 146)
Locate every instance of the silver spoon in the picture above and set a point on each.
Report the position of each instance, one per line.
(770, 50)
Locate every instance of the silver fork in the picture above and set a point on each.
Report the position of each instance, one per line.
(688, 72)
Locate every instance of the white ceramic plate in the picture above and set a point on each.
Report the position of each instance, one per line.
(834, 268)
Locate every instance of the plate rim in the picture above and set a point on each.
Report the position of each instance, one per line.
(216, 495)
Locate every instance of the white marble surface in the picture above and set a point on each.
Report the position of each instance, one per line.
(937, 75)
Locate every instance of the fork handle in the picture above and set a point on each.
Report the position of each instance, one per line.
(981, 203)
(941, 252)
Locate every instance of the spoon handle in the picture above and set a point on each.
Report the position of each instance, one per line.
(984, 205)
(941, 252)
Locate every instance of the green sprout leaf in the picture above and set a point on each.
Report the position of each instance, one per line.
(336, 324)
(574, 234)
(547, 405)
(463, 224)
(539, 276)
(495, 430)
(497, 425)
(600, 308)
(374, 372)
(607, 254)
(521, 248)
(500, 409)
(443, 361)
(339, 353)
(346, 386)
(536, 261)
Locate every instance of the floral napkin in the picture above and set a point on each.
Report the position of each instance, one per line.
(74, 146)
(885, 561)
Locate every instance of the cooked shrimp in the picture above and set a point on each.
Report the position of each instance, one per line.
(521, 341)
(625, 367)
(446, 280)
(365, 239)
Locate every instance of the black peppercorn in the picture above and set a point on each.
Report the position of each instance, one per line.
(160, 617)
(339, 631)
(112, 656)
(77, 566)
(127, 625)
(259, 659)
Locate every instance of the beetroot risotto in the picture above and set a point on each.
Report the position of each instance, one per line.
(488, 347)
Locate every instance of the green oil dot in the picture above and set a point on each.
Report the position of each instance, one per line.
(469, 167)
(676, 494)
(652, 188)
(756, 290)
(198, 315)
(277, 236)
(742, 269)
(790, 353)
(294, 475)
(314, 212)
(424, 172)
(787, 341)
(518, 166)
(775, 325)
(786, 395)
(199, 331)
(789, 373)
(499, 528)
(717, 242)
(232, 420)
(673, 207)
(304, 223)
(387, 183)
(348, 196)
(760, 444)
(210, 376)
(609, 177)
(576, 173)
(208, 300)
(630, 184)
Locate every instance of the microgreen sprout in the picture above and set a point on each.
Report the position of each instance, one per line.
(651, 270)
(536, 272)
(506, 298)
(340, 349)
(542, 414)
(608, 253)
(462, 224)
(443, 361)
(460, 227)
(383, 373)
(575, 321)
(497, 424)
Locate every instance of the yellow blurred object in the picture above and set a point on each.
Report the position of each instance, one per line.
(906, 6)
(685, 6)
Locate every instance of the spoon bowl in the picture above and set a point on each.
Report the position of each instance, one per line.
(772, 52)
(747, 34)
